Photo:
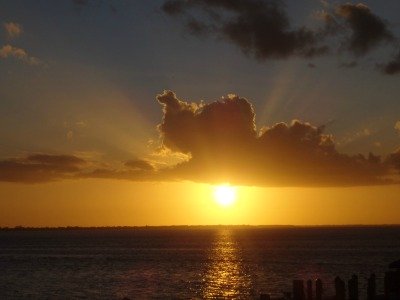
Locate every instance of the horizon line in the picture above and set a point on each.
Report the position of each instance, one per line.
(19, 227)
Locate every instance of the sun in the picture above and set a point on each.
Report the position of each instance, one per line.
(225, 195)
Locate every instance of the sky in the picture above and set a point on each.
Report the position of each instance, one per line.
(120, 113)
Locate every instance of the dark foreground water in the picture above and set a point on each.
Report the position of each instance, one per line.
(187, 263)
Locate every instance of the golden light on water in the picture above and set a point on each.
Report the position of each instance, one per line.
(226, 277)
(225, 195)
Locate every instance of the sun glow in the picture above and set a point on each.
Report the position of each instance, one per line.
(225, 195)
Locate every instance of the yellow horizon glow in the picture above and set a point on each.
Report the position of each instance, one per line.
(225, 195)
(105, 202)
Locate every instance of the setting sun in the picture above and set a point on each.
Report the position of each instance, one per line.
(225, 195)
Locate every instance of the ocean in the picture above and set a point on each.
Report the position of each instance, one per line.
(210, 262)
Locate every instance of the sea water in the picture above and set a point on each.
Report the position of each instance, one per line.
(219, 262)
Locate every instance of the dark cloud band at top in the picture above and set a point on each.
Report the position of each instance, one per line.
(262, 29)
(259, 28)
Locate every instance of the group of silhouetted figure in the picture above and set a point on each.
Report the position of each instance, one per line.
(391, 288)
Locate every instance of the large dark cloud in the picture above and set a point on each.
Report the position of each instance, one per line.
(259, 28)
(191, 128)
(367, 29)
(224, 145)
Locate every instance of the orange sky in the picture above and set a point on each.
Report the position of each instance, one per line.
(98, 202)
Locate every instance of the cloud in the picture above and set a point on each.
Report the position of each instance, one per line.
(109, 173)
(392, 67)
(13, 30)
(397, 126)
(226, 122)
(139, 164)
(368, 30)
(40, 168)
(134, 172)
(8, 51)
(220, 142)
(225, 146)
(261, 29)
(355, 136)
(331, 25)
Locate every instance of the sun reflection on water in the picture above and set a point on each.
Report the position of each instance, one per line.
(226, 277)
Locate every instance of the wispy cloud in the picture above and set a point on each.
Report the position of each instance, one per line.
(139, 164)
(37, 168)
(9, 51)
(13, 30)
(355, 136)
(397, 126)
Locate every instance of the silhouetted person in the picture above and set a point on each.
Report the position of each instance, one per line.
(318, 289)
(298, 290)
(371, 287)
(353, 288)
(309, 289)
(340, 289)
